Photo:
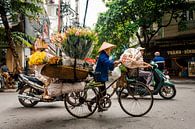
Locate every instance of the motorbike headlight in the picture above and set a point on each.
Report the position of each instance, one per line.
(167, 76)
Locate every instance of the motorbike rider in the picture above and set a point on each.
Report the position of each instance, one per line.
(41, 46)
(159, 60)
(147, 75)
(6, 75)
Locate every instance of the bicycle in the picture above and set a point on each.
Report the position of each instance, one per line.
(138, 102)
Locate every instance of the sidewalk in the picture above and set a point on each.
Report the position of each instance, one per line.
(180, 80)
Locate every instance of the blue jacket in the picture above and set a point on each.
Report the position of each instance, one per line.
(159, 59)
(103, 66)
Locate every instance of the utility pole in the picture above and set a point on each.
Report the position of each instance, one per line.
(86, 8)
(77, 12)
(59, 15)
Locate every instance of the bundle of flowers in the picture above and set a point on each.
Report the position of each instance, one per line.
(38, 58)
(58, 38)
(75, 42)
(54, 60)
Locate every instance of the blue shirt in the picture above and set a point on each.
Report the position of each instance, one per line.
(4, 68)
(103, 66)
(158, 59)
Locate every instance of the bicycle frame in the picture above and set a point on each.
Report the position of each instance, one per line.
(94, 84)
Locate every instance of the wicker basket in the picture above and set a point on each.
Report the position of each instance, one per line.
(64, 72)
(122, 82)
(133, 73)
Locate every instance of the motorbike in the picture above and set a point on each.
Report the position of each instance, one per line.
(161, 84)
(30, 91)
(2, 83)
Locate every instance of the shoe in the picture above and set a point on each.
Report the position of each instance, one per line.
(90, 104)
(89, 107)
(46, 97)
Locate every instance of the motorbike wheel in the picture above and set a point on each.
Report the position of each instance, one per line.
(167, 92)
(27, 91)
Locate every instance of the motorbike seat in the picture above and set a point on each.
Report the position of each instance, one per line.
(34, 79)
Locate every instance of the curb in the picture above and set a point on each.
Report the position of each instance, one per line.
(183, 81)
(7, 90)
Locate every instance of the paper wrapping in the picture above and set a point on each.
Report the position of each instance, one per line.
(132, 58)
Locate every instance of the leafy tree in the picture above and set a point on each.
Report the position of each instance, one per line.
(16, 8)
(126, 17)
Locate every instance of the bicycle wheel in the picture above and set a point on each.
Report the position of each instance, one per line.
(81, 104)
(139, 100)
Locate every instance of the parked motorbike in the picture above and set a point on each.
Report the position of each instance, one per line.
(30, 91)
(161, 83)
(2, 84)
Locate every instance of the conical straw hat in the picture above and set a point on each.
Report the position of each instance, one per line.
(106, 45)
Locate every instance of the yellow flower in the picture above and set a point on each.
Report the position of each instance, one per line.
(38, 58)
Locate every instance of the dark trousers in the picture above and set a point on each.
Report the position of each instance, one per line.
(102, 89)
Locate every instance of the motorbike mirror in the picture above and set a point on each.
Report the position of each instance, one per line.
(155, 65)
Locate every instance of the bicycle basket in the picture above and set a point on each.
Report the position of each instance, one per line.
(122, 82)
(133, 73)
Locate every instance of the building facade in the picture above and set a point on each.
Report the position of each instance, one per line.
(177, 44)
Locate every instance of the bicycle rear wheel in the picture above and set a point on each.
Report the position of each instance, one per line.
(81, 104)
(139, 100)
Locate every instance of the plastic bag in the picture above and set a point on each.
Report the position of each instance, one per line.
(73, 87)
(116, 73)
(54, 89)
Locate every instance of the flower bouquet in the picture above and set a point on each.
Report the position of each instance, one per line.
(38, 58)
(75, 42)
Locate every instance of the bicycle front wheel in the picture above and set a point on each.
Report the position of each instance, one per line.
(81, 104)
(139, 100)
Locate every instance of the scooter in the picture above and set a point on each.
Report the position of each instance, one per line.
(30, 91)
(161, 84)
(2, 83)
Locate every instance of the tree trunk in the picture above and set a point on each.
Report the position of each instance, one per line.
(9, 38)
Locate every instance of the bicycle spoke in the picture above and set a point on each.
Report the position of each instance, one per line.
(139, 100)
(81, 107)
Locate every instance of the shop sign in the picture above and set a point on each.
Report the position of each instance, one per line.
(178, 52)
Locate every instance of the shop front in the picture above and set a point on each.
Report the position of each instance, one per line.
(191, 68)
(179, 55)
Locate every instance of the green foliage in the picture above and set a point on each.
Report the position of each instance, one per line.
(124, 17)
(15, 8)
(123, 68)
(2, 34)
(19, 38)
(24, 7)
(22, 39)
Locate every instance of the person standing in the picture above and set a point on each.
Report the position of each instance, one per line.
(104, 65)
(159, 60)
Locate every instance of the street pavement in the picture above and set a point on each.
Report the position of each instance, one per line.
(177, 113)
